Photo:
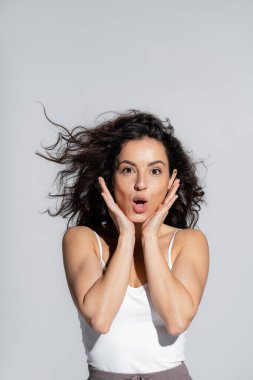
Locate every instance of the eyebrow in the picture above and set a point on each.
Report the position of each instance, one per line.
(150, 164)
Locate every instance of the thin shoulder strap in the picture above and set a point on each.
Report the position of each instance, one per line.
(100, 248)
(170, 247)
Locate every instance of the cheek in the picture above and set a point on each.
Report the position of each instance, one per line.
(120, 191)
(159, 195)
(161, 187)
(119, 195)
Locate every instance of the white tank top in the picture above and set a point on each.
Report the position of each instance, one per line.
(137, 340)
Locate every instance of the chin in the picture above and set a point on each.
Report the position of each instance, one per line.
(138, 218)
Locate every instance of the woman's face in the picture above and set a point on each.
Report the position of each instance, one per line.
(141, 178)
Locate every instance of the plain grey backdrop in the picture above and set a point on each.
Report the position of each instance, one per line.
(190, 61)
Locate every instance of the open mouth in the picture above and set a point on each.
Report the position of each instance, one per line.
(139, 206)
(140, 202)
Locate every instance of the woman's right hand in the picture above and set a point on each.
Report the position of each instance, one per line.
(121, 221)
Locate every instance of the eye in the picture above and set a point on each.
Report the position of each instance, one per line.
(126, 170)
(156, 171)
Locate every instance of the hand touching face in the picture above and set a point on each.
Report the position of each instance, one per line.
(141, 178)
(153, 223)
(122, 223)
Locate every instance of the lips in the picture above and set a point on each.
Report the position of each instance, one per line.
(139, 205)
(139, 198)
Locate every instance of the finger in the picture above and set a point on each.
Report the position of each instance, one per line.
(105, 188)
(175, 185)
(111, 204)
(107, 201)
(170, 202)
(171, 192)
(172, 178)
(105, 193)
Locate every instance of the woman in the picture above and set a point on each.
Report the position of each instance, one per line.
(135, 266)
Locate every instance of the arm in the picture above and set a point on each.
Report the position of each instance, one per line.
(177, 293)
(98, 296)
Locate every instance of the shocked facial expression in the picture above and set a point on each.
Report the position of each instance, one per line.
(141, 178)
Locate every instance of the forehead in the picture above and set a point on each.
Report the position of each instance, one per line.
(146, 149)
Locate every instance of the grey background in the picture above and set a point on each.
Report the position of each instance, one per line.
(190, 61)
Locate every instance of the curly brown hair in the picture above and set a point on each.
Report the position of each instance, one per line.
(87, 153)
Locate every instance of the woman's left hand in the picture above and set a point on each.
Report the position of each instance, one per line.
(152, 224)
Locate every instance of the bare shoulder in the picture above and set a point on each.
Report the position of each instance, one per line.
(193, 246)
(191, 266)
(194, 239)
(77, 244)
(77, 232)
(191, 235)
(81, 263)
(193, 251)
(78, 237)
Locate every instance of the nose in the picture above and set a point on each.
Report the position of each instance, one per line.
(140, 183)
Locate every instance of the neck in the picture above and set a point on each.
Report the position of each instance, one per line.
(138, 227)
(138, 252)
